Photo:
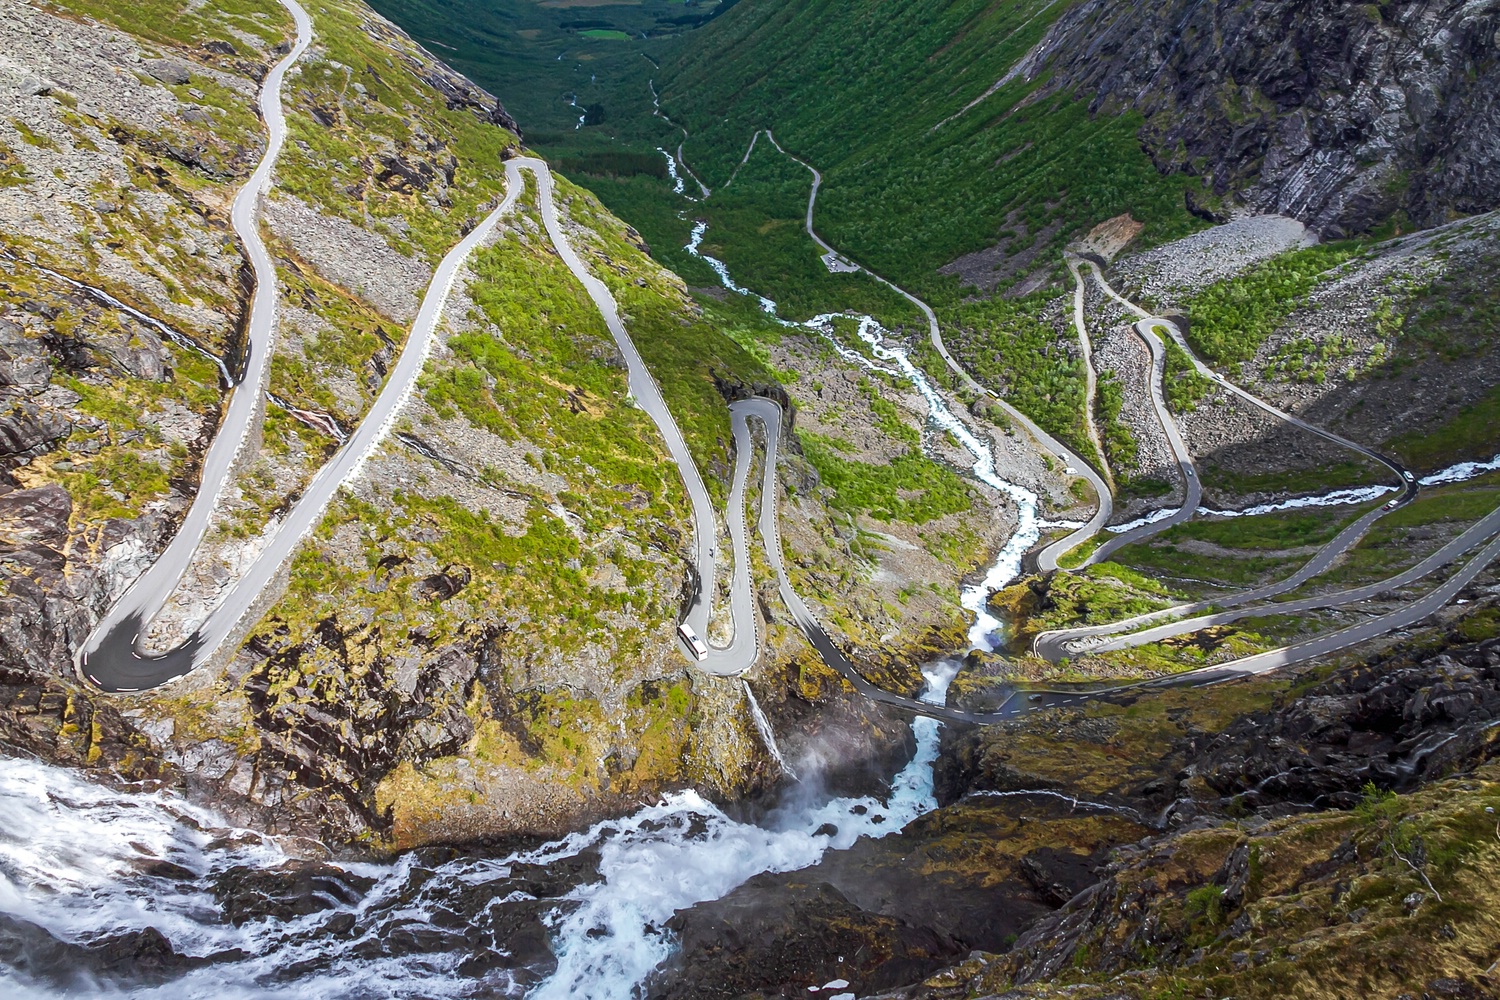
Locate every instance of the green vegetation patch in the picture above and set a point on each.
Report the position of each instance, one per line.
(875, 99)
(1008, 346)
(911, 488)
(1195, 570)
(12, 170)
(686, 349)
(392, 155)
(1284, 530)
(541, 372)
(1455, 312)
(1473, 433)
(1309, 359)
(1233, 317)
(1103, 593)
(1119, 443)
(176, 22)
(757, 227)
(1252, 550)
(1182, 384)
(1294, 482)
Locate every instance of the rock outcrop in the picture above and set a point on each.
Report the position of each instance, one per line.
(1137, 846)
(1340, 115)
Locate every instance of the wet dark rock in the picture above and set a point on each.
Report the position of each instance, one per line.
(1393, 722)
(400, 174)
(133, 958)
(45, 596)
(773, 934)
(1039, 869)
(26, 429)
(1456, 989)
(441, 586)
(295, 889)
(348, 736)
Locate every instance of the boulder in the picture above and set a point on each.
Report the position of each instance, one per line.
(295, 889)
(168, 71)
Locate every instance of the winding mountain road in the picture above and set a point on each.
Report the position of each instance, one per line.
(1056, 644)
(1047, 557)
(1175, 332)
(107, 657)
(1187, 468)
(1090, 378)
(117, 663)
(743, 650)
(1476, 534)
(770, 416)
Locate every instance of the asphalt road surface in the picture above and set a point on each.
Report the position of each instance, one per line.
(109, 656)
(1056, 644)
(1049, 445)
(1475, 535)
(1192, 487)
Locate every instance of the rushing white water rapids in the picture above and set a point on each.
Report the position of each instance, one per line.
(882, 348)
(82, 863)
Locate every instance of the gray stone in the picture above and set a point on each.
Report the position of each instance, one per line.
(168, 71)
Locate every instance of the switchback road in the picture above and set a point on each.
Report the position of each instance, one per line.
(113, 644)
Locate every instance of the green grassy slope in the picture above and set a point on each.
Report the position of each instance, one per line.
(864, 92)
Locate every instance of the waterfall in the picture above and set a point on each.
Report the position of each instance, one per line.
(80, 862)
(767, 735)
(677, 186)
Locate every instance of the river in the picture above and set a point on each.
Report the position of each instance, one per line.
(1006, 566)
(81, 864)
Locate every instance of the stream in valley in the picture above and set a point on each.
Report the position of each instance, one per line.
(142, 894)
(84, 870)
(887, 357)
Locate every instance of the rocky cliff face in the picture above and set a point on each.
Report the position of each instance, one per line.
(1264, 839)
(1342, 115)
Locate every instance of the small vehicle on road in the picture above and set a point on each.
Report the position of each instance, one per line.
(1409, 477)
(1392, 505)
(695, 644)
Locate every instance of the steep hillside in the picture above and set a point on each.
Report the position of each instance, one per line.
(941, 124)
(478, 636)
(867, 93)
(568, 71)
(1328, 834)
